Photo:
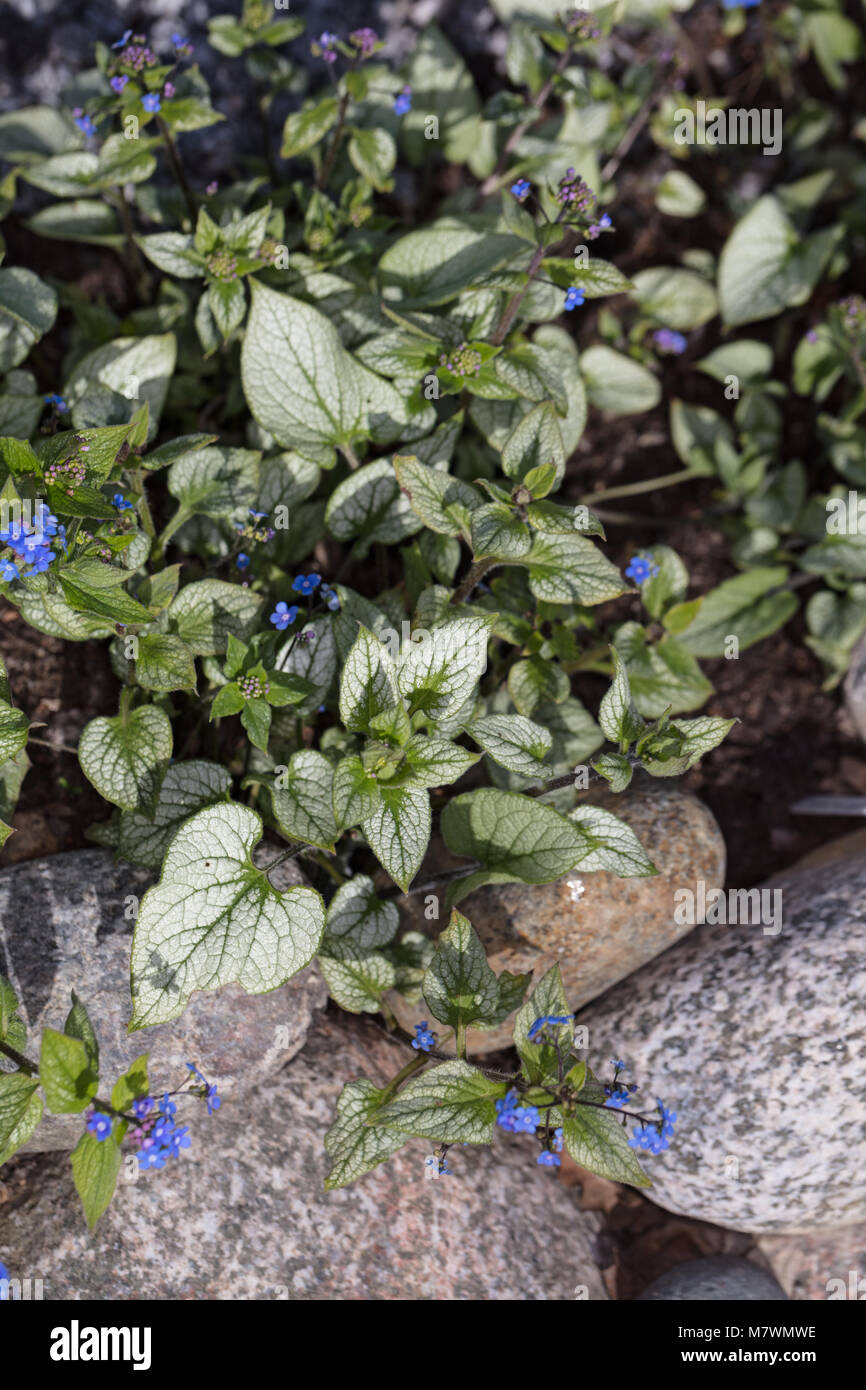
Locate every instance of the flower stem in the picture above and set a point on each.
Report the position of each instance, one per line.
(682, 475)
(476, 573)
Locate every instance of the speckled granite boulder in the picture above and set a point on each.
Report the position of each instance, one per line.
(63, 927)
(828, 1265)
(244, 1215)
(716, 1279)
(597, 927)
(855, 688)
(757, 1041)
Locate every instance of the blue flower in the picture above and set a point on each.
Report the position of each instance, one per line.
(150, 1158)
(179, 1140)
(40, 558)
(141, 1108)
(617, 1098)
(4, 1275)
(151, 102)
(122, 503)
(666, 340)
(167, 1106)
(641, 568)
(617, 1065)
(574, 298)
(257, 516)
(8, 571)
(54, 399)
(161, 1132)
(122, 42)
(540, 1023)
(99, 1125)
(521, 189)
(557, 1140)
(423, 1040)
(331, 598)
(740, 4)
(84, 123)
(306, 583)
(516, 1119)
(194, 1071)
(213, 1100)
(118, 83)
(548, 1159)
(243, 561)
(283, 615)
(403, 102)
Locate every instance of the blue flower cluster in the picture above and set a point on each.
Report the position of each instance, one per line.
(516, 1119)
(423, 1040)
(549, 1158)
(655, 1138)
(31, 544)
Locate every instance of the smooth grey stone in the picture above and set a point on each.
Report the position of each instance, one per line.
(716, 1279)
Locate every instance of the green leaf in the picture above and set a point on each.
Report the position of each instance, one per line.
(535, 441)
(353, 1145)
(28, 308)
(594, 276)
(617, 715)
(438, 673)
(369, 506)
(571, 569)
(664, 676)
(498, 532)
(599, 1143)
(356, 914)
(450, 1104)
(374, 155)
(164, 663)
(693, 738)
(356, 978)
(33, 133)
(676, 297)
(533, 681)
(434, 762)
(615, 768)
(13, 730)
(614, 847)
(398, 831)
(765, 266)
(616, 384)
(108, 385)
(216, 481)
(460, 988)
(12, 1027)
(172, 253)
(368, 685)
(443, 503)
(256, 719)
(186, 788)
(442, 86)
(80, 219)
(314, 401)
(20, 1111)
(95, 1167)
(206, 612)
(227, 301)
(355, 792)
(78, 1025)
(132, 1085)
(214, 919)
(66, 1072)
(540, 1061)
(514, 742)
(745, 608)
(125, 757)
(432, 266)
(104, 601)
(512, 834)
(305, 128)
(679, 196)
(302, 802)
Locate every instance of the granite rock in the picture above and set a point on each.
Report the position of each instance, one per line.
(717, 1279)
(756, 1039)
(828, 1265)
(66, 924)
(598, 928)
(243, 1213)
(854, 688)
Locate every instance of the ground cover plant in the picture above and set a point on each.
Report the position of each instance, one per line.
(311, 488)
